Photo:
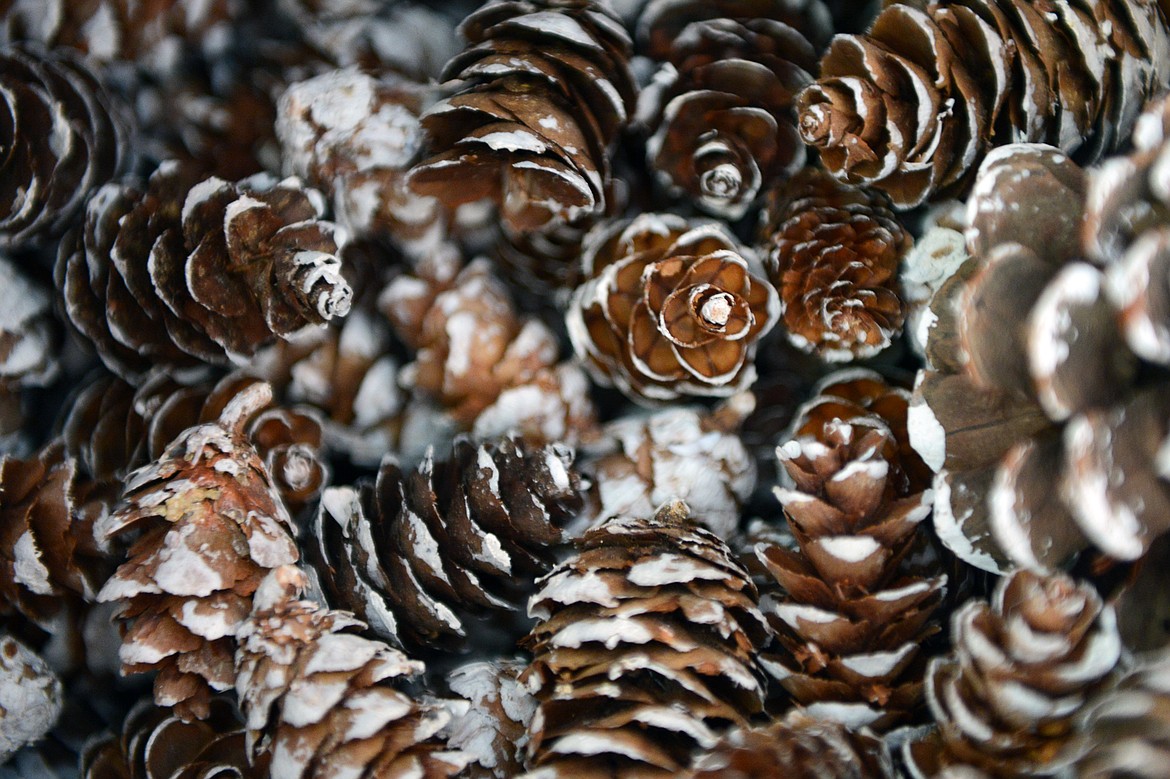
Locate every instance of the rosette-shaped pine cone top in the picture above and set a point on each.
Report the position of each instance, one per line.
(187, 272)
(419, 555)
(1022, 666)
(853, 606)
(61, 137)
(646, 650)
(671, 308)
(210, 524)
(319, 702)
(1034, 380)
(832, 252)
(156, 744)
(913, 105)
(544, 89)
(720, 110)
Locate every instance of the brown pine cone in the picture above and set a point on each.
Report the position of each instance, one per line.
(157, 744)
(188, 272)
(670, 309)
(63, 137)
(494, 730)
(419, 555)
(209, 525)
(913, 105)
(720, 111)
(1021, 669)
(853, 606)
(799, 747)
(646, 650)
(833, 252)
(544, 88)
(30, 697)
(320, 701)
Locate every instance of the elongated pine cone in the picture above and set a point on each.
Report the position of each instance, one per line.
(30, 696)
(913, 105)
(420, 555)
(210, 524)
(1022, 666)
(670, 308)
(853, 607)
(320, 701)
(494, 730)
(646, 650)
(720, 110)
(798, 746)
(188, 272)
(62, 136)
(544, 88)
(833, 252)
(157, 744)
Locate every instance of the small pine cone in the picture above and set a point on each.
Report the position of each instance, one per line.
(320, 701)
(419, 555)
(1021, 669)
(354, 136)
(209, 525)
(646, 650)
(494, 731)
(64, 136)
(670, 309)
(720, 110)
(913, 105)
(686, 453)
(188, 272)
(799, 747)
(544, 89)
(157, 744)
(853, 607)
(833, 252)
(30, 697)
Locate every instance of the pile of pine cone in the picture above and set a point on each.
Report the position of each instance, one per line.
(576, 388)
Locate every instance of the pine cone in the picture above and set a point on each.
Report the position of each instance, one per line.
(320, 700)
(799, 747)
(30, 697)
(685, 453)
(186, 272)
(853, 607)
(210, 525)
(494, 731)
(419, 555)
(64, 136)
(669, 309)
(913, 105)
(544, 89)
(833, 253)
(1021, 668)
(157, 744)
(645, 650)
(720, 110)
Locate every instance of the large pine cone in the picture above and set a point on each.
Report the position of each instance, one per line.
(833, 253)
(913, 105)
(545, 87)
(670, 309)
(853, 607)
(720, 111)
(320, 701)
(188, 272)
(646, 650)
(1022, 666)
(62, 137)
(420, 555)
(210, 525)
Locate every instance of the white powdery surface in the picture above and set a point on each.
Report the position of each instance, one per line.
(30, 697)
(494, 692)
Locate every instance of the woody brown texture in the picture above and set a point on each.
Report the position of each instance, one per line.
(833, 254)
(208, 524)
(544, 88)
(982, 73)
(669, 309)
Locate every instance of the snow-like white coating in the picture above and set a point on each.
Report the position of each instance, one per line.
(875, 665)
(850, 549)
(182, 570)
(30, 697)
(670, 568)
(27, 568)
(927, 435)
(949, 529)
(1052, 331)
